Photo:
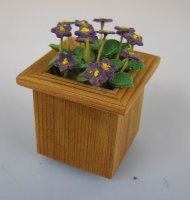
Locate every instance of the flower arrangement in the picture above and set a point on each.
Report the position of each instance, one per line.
(98, 61)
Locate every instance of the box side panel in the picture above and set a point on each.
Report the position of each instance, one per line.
(75, 134)
(128, 127)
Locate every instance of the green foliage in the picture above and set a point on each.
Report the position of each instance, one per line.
(83, 66)
(52, 61)
(95, 46)
(116, 62)
(54, 47)
(121, 80)
(111, 47)
(81, 78)
(79, 51)
(65, 51)
(78, 62)
(92, 56)
(135, 65)
(124, 46)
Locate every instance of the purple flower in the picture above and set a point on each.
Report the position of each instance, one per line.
(62, 30)
(83, 40)
(95, 74)
(108, 67)
(103, 20)
(81, 23)
(65, 62)
(124, 29)
(105, 32)
(134, 39)
(86, 32)
(130, 55)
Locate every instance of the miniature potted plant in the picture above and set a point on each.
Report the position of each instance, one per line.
(88, 94)
(99, 61)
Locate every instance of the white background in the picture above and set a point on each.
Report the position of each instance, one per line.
(160, 154)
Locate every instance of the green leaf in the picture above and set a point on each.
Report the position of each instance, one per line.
(79, 51)
(135, 65)
(92, 56)
(78, 61)
(54, 46)
(121, 80)
(52, 61)
(95, 45)
(65, 51)
(116, 62)
(84, 65)
(111, 47)
(81, 78)
(124, 46)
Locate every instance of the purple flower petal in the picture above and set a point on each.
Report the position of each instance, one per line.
(83, 40)
(124, 29)
(102, 20)
(86, 32)
(134, 39)
(105, 32)
(81, 23)
(108, 68)
(131, 56)
(62, 30)
(95, 74)
(65, 62)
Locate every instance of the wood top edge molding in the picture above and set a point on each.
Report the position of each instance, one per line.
(116, 101)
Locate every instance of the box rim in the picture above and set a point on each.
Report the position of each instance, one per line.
(116, 101)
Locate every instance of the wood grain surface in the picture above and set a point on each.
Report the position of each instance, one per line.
(84, 137)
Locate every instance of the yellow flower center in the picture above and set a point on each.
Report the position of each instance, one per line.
(65, 61)
(85, 30)
(132, 53)
(124, 27)
(96, 73)
(61, 28)
(136, 37)
(83, 23)
(105, 66)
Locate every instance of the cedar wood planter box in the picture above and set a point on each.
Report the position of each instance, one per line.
(84, 126)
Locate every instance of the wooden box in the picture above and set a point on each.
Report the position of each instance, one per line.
(84, 126)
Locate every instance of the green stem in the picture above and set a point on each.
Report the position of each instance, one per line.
(131, 48)
(118, 54)
(101, 48)
(101, 28)
(124, 66)
(65, 74)
(68, 43)
(61, 45)
(87, 51)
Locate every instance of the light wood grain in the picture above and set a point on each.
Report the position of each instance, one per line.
(81, 136)
(88, 127)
